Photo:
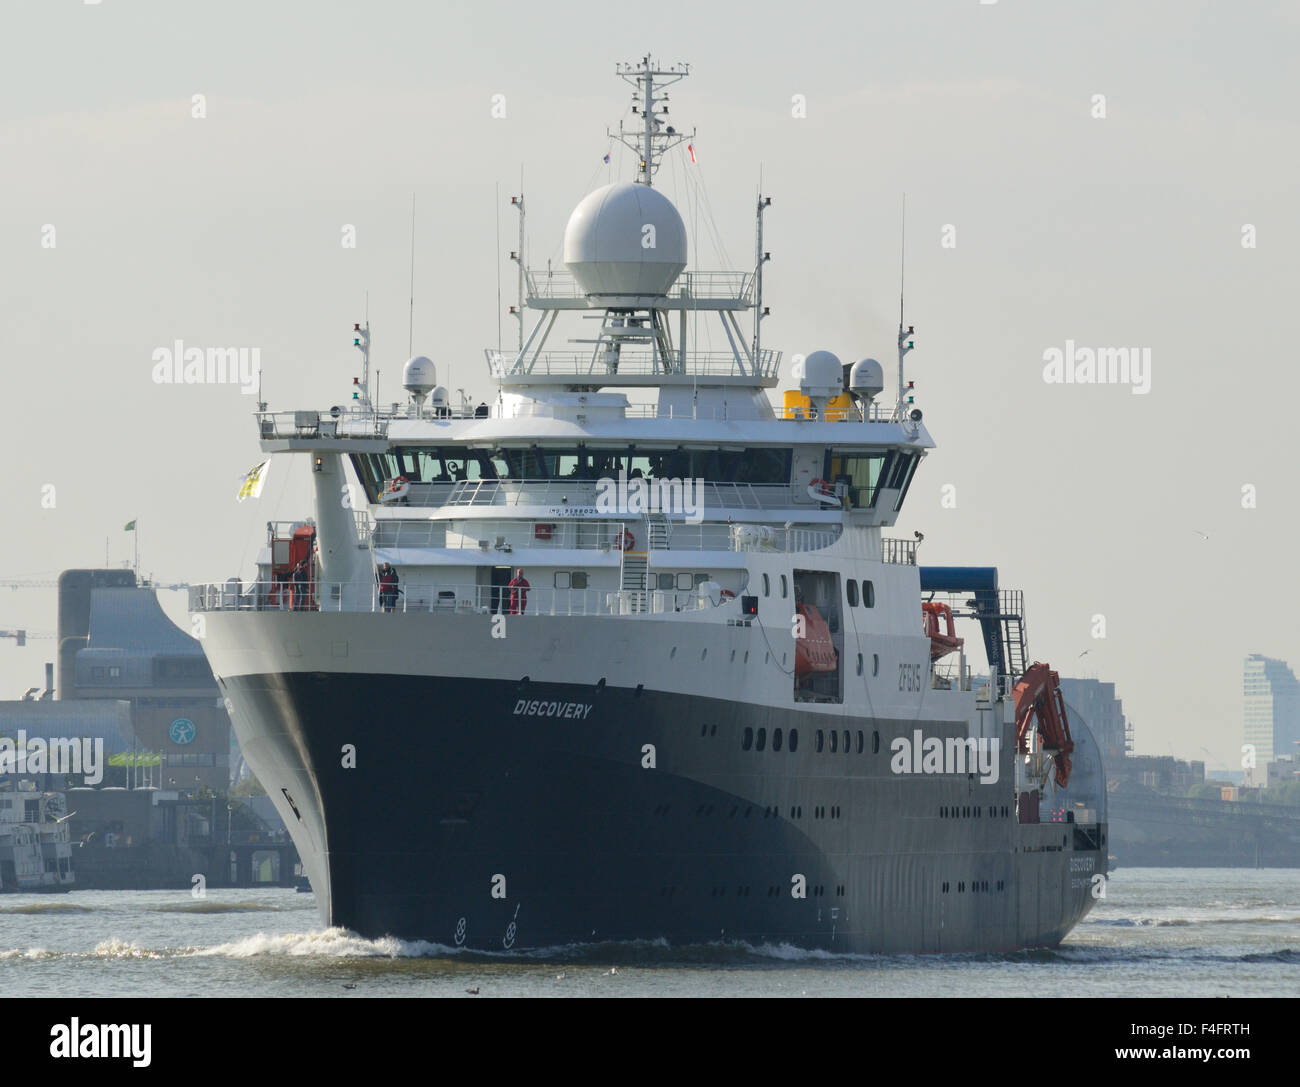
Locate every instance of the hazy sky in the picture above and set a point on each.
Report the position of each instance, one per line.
(1117, 231)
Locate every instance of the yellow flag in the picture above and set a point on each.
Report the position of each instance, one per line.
(254, 479)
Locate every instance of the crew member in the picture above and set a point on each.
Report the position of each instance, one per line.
(301, 594)
(388, 587)
(518, 593)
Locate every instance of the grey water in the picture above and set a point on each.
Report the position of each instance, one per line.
(1158, 932)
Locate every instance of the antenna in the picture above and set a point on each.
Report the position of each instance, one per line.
(496, 209)
(649, 81)
(904, 344)
(410, 328)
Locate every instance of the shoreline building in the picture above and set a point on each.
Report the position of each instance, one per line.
(1271, 712)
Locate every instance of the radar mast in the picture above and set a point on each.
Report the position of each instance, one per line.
(650, 82)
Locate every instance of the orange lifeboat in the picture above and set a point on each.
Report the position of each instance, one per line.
(814, 652)
(943, 639)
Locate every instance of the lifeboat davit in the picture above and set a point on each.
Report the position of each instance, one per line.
(943, 638)
(814, 652)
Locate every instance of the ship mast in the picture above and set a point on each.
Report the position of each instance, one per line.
(649, 82)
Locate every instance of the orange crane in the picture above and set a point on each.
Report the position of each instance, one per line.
(1038, 696)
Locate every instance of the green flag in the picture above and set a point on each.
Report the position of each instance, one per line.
(130, 527)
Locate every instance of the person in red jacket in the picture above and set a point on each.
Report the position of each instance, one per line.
(518, 593)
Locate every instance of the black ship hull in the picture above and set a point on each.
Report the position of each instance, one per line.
(498, 815)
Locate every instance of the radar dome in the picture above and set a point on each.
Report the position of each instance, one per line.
(439, 397)
(418, 376)
(625, 239)
(867, 378)
(819, 374)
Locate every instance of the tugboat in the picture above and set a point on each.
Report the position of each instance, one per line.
(649, 666)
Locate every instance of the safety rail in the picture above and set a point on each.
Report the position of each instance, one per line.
(738, 286)
(234, 595)
(334, 423)
(506, 536)
(502, 364)
(570, 496)
(901, 552)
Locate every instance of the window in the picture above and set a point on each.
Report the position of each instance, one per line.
(794, 740)
(875, 743)
(875, 664)
(685, 582)
(821, 740)
(846, 741)
(784, 587)
(578, 579)
(762, 740)
(861, 472)
(861, 743)
(776, 739)
(851, 587)
(767, 586)
(868, 594)
(835, 741)
(665, 582)
(562, 579)
(859, 655)
(747, 740)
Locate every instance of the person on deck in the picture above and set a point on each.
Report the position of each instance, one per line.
(518, 593)
(388, 587)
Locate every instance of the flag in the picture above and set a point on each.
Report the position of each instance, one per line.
(250, 486)
(691, 148)
(129, 527)
(606, 158)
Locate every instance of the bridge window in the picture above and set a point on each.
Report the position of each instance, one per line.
(861, 471)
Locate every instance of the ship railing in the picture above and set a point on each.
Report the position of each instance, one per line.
(901, 552)
(556, 283)
(570, 496)
(451, 598)
(505, 536)
(334, 423)
(502, 364)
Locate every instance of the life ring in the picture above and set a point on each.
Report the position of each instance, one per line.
(820, 485)
(726, 594)
(624, 541)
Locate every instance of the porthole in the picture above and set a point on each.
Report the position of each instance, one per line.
(847, 741)
(861, 742)
(851, 588)
(859, 655)
(875, 664)
(794, 740)
(875, 743)
(776, 739)
(868, 594)
(747, 739)
(784, 587)
(821, 740)
(767, 586)
(761, 741)
(835, 741)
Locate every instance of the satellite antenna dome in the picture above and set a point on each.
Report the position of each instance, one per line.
(439, 397)
(625, 240)
(418, 376)
(820, 377)
(867, 379)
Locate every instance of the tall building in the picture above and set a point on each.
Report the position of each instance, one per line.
(1096, 703)
(1271, 712)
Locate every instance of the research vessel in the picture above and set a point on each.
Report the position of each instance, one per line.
(628, 652)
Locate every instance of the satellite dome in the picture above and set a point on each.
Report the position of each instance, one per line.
(418, 376)
(625, 239)
(819, 374)
(867, 378)
(439, 397)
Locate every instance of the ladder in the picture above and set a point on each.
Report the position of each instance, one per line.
(1011, 612)
(659, 529)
